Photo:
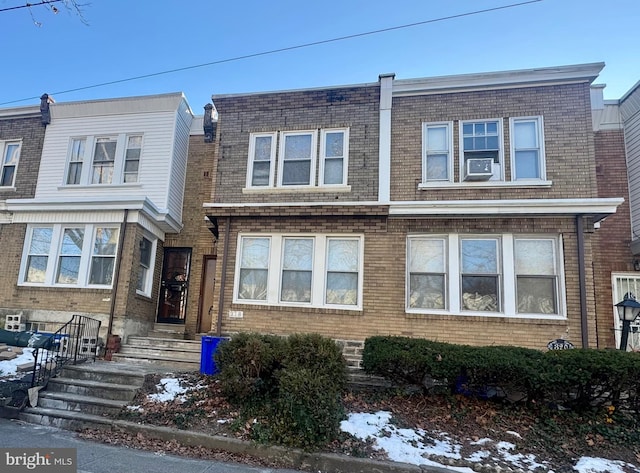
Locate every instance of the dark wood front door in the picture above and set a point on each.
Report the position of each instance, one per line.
(206, 295)
(174, 286)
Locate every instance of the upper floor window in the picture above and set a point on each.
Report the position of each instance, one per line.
(10, 152)
(300, 270)
(437, 152)
(81, 255)
(527, 148)
(480, 275)
(297, 159)
(483, 149)
(111, 159)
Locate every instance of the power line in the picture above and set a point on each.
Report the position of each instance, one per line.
(280, 50)
(29, 5)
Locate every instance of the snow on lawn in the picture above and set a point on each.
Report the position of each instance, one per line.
(170, 389)
(9, 368)
(412, 446)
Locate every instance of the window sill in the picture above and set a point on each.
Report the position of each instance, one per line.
(101, 186)
(65, 287)
(143, 295)
(492, 315)
(334, 309)
(485, 184)
(297, 189)
(7, 189)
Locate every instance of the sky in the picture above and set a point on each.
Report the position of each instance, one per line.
(69, 57)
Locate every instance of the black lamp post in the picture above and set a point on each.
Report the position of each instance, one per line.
(628, 310)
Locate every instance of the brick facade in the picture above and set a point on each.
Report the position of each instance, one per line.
(613, 238)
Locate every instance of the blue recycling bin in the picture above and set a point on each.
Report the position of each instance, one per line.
(208, 348)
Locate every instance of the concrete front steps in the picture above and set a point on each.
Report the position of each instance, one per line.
(82, 396)
(180, 355)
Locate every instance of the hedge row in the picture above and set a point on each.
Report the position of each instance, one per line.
(572, 378)
(294, 384)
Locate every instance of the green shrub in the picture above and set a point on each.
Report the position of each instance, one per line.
(294, 383)
(248, 364)
(579, 379)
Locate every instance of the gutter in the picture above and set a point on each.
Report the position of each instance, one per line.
(116, 277)
(223, 279)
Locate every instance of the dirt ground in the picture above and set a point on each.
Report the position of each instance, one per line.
(558, 437)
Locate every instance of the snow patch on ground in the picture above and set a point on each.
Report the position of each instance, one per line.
(170, 389)
(413, 446)
(9, 368)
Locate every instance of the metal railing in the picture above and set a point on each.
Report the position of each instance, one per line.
(75, 342)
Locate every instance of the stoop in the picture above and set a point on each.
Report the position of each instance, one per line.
(83, 395)
(180, 355)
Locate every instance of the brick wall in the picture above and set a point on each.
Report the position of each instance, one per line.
(614, 236)
(567, 132)
(195, 233)
(31, 132)
(384, 285)
(356, 108)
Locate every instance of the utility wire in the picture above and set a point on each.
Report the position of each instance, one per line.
(29, 5)
(289, 48)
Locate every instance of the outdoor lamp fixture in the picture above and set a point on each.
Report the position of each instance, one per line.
(628, 310)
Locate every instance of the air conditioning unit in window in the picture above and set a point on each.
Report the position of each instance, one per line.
(478, 169)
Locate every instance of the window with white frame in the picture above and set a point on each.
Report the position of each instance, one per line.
(111, 159)
(504, 274)
(262, 159)
(333, 156)
(481, 149)
(299, 161)
(427, 261)
(437, 152)
(145, 268)
(76, 158)
(624, 286)
(79, 255)
(527, 148)
(10, 152)
(536, 276)
(300, 270)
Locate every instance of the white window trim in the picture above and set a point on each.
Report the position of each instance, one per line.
(323, 155)
(425, 127)
(4, 144)
(313, 157)
(617, 297)
(453, 277)
(272, 159)
(502, 245)
(542, 157)
(318, 285)
(494, 179)
(148, 283)
(54, 255)
(86, 176)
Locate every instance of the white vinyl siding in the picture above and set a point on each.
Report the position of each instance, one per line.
(153, 181)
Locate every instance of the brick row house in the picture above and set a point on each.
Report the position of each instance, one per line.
(479, 209)
(462, 209)
(94, 195)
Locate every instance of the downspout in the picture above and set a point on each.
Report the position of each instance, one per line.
(223, 280)
(114, 292)
(582, 279)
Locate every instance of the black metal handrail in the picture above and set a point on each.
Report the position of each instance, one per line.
(75, 342)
